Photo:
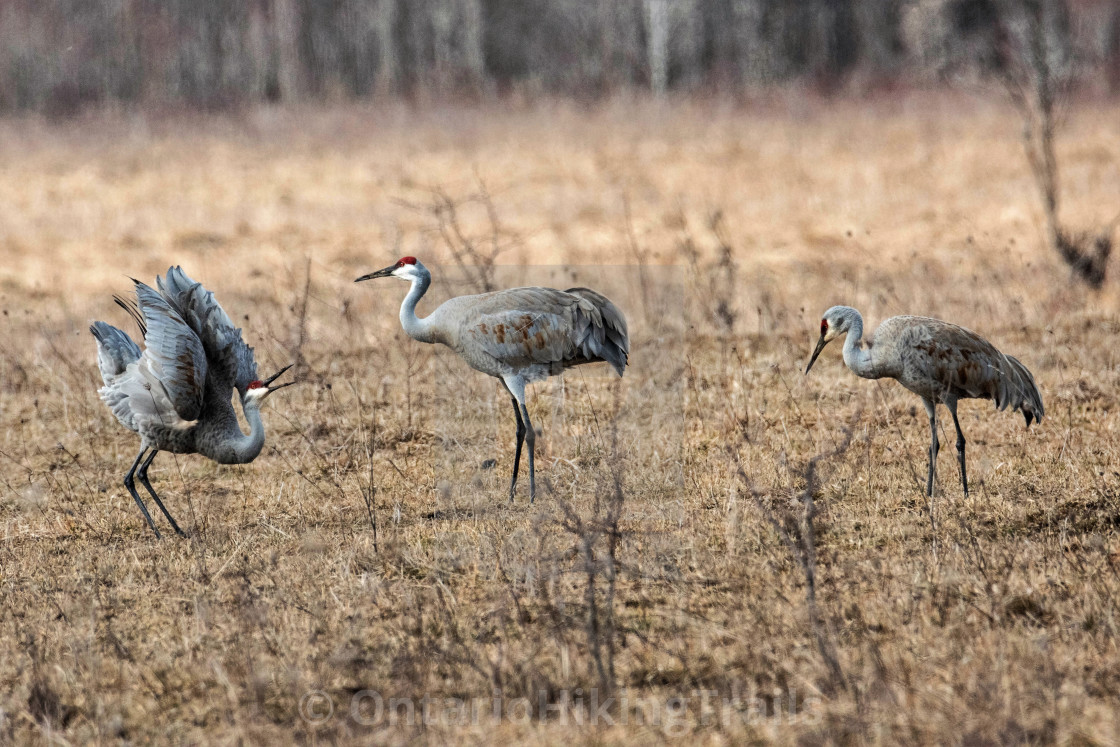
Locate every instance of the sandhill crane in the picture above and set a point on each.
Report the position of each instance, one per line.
(519, 336)
(176, 393)
(938, 361)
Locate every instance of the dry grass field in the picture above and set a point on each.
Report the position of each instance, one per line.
(366, 578)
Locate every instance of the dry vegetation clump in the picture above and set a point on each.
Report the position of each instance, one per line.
(367, 565)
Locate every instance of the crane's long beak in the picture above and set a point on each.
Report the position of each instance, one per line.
(820, 346)
(268, 382)
(384, 273)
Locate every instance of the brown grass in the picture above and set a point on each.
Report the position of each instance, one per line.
(647, 568)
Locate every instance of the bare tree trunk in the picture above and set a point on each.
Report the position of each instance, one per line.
(286, 31)
(388, 70)
(1112, 50)
(752, 49)
(472, 35)
(657, 46)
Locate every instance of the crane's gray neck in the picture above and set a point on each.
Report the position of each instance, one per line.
(226, 444)
(417, 328)
(857, 356)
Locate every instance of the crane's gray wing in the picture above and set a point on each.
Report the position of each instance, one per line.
(523, 326)
(231, 360)
(115, 350)
(173, 358)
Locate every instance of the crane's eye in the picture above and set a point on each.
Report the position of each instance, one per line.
(824, 326)
(256, 384)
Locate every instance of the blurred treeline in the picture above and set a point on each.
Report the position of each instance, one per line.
(59, 56)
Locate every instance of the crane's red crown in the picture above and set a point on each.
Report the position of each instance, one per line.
(256, 384)
(406, 261)
(824, 326)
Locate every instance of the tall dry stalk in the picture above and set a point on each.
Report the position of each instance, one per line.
(798, 531)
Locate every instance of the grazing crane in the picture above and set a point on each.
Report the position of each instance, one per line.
(938, 361)
(176, 393)
(519, 335)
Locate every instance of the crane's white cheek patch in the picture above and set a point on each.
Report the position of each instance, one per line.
(254, 397)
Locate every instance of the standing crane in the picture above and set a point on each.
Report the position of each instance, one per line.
(519, 336)
(176, 394)
(938, 361)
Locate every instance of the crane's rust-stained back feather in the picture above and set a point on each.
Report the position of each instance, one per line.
(525, 326)
(231, 360)
(961, 363)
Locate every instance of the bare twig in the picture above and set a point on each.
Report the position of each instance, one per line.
(370, 493)
(301, 317)
(798, 534)
(475, 257)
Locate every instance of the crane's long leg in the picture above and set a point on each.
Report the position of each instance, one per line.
(531, 438)
(131, 485)
(142, 473)
(934, 446)
(952, 404)
(520, 440)
(515, 385)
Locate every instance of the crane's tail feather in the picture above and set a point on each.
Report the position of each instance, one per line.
(600, 329)
(1019, 392)
(115, 350)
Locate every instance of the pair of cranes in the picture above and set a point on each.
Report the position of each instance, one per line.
(176, 393)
